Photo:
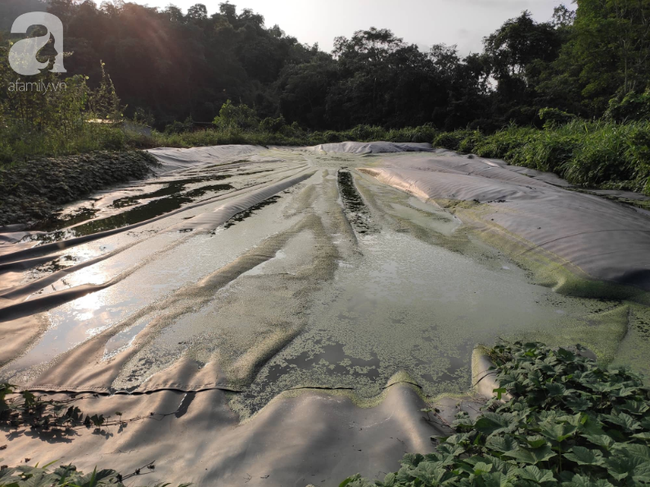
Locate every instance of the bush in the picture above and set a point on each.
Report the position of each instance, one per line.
(505, 144)
(331, 136)
(425, 133)
(633, 106)
(569, 422)
(470, 142)
(273, 125)
(452, 140)
(547, 150)
(588, 154)
(365, 133)
(177, 127)
(236, 117)
(553, 117)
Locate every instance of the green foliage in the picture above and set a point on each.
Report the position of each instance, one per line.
(103, 103)
(27, 409)
(48, 115)
(576, 63)
(273, 125)
(453, 140)
(68, 476)
(588, 154)
(366, 132)
(275, 131)
(569, 422)
(236, 117)
(633, 106)
(177, 127)
(330, 137)
(553, 117)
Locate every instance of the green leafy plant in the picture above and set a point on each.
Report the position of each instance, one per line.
(55, 417)
(569, 421)
(68, 476)
(236, 117)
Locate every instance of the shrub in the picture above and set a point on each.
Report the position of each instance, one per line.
(236, 117)
(331, 136)
(424, 133)
(273, 125)
(365, 133)
(611, 154)
(548, 150)
(569, 422)
(633, 106)
(177, 127)
(470, 142)
(451, 140)
(553, 117)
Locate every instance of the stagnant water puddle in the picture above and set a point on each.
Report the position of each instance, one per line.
(173, 188)
(409, 307)
(58, 222)
(134, 215)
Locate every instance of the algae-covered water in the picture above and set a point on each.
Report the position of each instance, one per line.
(336, 281)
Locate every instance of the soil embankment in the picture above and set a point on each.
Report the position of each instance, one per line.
(35, 190)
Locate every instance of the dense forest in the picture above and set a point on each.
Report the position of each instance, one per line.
(168, 65)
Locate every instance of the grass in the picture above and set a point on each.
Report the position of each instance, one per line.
(21, 146)
(287, 136)
(606, 155)
(598, 154)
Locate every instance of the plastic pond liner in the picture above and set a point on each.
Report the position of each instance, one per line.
(280, 316)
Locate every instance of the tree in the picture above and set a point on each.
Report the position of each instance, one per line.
(304, 88)
(520, 42)
(197, 12)
(612, 44)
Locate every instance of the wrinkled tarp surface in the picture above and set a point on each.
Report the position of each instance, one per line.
(285, 314)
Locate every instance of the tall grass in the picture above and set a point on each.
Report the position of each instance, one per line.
(590, 154)
(17, 144)
(25, 146)
(601, 154)
(288, 136)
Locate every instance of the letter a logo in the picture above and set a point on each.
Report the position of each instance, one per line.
(22, 56)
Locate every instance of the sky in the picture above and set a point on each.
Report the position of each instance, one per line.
(422, 22)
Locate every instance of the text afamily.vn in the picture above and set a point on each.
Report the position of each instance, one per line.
(40, 86)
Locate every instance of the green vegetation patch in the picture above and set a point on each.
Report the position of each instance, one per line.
(604, 154)
(67, 476)
(570, 421)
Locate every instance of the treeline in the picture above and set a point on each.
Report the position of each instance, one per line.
(170, 66)
(569, 95)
